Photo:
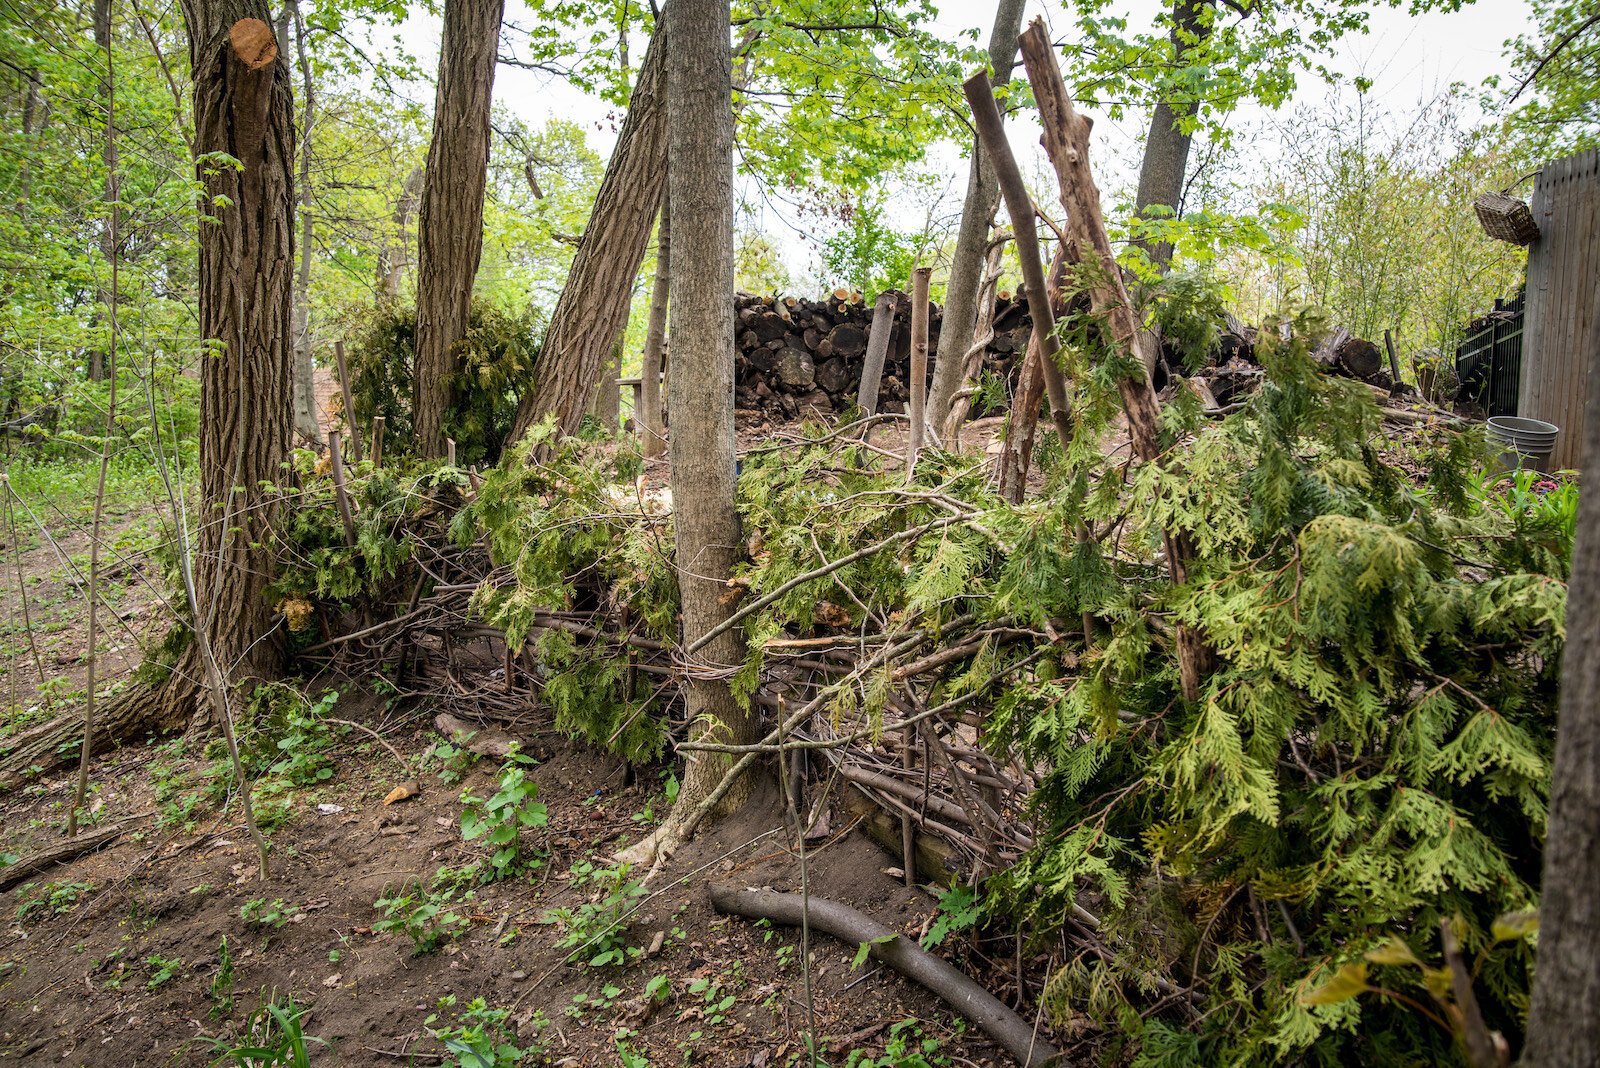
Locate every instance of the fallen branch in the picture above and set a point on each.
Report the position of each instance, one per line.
(45, 859)
(958, 991)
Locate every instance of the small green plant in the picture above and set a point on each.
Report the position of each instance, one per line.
(56, 899)
(222, 982)
(480, 1037)
(162, 970)
(292, 736)
(503, 817)
(259, 912)
(596, 929)
(715, 1002)
(958, 910)
(427, 916)
(454, 760)
(906, 1047)
(584, 1003)
(273, 1037)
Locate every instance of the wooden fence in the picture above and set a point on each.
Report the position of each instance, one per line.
(1563, 300)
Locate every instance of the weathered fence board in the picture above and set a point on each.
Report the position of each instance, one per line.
(1563, 300)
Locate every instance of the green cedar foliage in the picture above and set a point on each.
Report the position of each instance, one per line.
(1372, 754)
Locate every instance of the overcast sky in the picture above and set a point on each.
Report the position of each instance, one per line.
(1410, 60)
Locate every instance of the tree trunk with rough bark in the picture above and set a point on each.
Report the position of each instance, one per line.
(977, 212)
(243, 106)
(450, 233)
(305, 393)
(651, 432)
(1563, 1024)
(1166, 147)
(593, 307)
(705, 524)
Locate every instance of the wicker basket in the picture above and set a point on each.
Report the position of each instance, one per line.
(1505, 218)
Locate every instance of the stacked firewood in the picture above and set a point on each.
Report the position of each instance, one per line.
(802, 357)
(1235, 370)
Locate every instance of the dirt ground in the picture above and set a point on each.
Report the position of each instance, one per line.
(120, 968)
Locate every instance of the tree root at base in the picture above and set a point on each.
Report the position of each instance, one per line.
(900, 953)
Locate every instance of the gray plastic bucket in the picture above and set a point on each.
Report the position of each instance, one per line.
(1525, 443)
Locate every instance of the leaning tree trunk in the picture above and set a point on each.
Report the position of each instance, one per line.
(243, 107)
(593, 307)
(1166, 148)
(305, 393)
(396, 253)
(705, 524)
(1563, 1026)
(966, 263)
(450, 233)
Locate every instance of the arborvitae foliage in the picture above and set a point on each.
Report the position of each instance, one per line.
(1372, 754)
(497, 359)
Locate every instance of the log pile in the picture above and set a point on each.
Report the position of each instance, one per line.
(1235, 371)
(798, 358)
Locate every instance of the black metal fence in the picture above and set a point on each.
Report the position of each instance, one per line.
(1489, 359)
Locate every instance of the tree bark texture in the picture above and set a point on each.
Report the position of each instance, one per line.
(1066, 141)
(977, 211)
(1563, 1024)
(243, 106)
(305, 393)
(706, 526)
(450, 232)
(651, 431)
(592, 310)
(1166, 147)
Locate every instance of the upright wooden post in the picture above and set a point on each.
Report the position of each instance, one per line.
(450, 451)
(919, 363)
(349, 405)
(339, 492)
(1066, 141)
(377, 441)
(877, 349)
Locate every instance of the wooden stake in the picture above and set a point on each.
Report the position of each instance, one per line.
(377, 442)
(450, 451)
(1066, 141)
(339, 491)
(919, 363)
(349, 405)
(908, 836)
(877, 349)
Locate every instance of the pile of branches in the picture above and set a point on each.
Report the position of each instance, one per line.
(993, 689)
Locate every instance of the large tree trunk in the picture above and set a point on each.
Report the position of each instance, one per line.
(246, 297)
(305, 393)
(450, 234)
(966, 263)
(593, 307)
(705, 524)
(1563, 1025)
(1166, 148)
(651, 433)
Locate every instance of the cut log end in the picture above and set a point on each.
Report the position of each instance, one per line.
(253, 42)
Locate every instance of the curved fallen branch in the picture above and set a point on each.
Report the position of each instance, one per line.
(88, 842)
(900, 953)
